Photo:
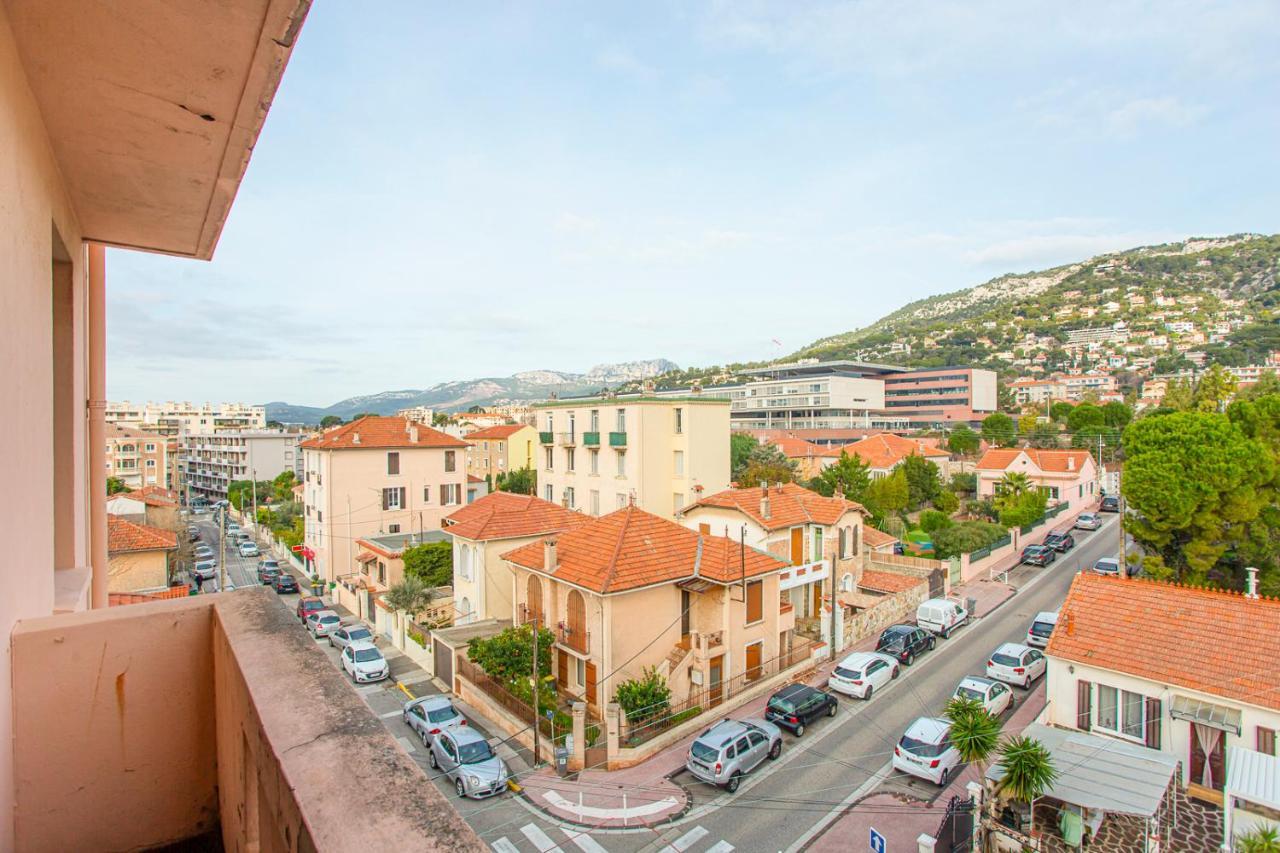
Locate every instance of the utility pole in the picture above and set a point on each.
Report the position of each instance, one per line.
(222, 550)
(253, 479)
(535, 685)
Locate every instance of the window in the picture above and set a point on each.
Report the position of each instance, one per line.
(393, 498)
(622, 463)
(320, 517)
(426, 494)
(593, 458)
(622, 500)
(621, 420)
(1133, 722)
(755, 601)
(151, 448)
(568, 500)
(678, 462)
(551, 422)
(568, 462)
(393, 463)
(817, 545)
(382, 575)
(151, 463)
(581, 671)
(595, 507)
(450, 494)
(395, 528)
(1266, 741)
(677, 504)
(679, 416)
(550, 453)
(548, 494)
(595, 420)
(451, 460)
(1107, 708)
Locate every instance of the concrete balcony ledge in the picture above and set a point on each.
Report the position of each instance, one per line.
(71, 589)
(212, 717)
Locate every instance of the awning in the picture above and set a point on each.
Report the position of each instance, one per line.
(365, 557)
(1103, 773)
(1206, 713)
(1253, 776)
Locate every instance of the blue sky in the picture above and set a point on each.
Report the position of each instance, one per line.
(449, 191)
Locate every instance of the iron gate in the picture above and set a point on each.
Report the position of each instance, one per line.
(955, 833)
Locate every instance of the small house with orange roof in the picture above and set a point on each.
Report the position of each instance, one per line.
(138, 556)
(630, 590)
(1070, 476)
(153, 505)
(810, 459)
(481, 532)
(885, 451)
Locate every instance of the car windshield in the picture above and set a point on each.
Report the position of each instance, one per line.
(704, 752)
(474, 753)
(785, 706)
(330, 620)
(1006, 660)
(363, 634)
(970, 693)
(892, 640)
(367, 655)
(1042, 629)
(923, 748)
(853, 674)
(439, 715)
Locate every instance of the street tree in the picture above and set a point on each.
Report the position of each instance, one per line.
(849, 476)
(1214, 390)
(115, 486)
(922, 480)
(521, 481)
(430, 562)
(1059, 411)
(1028, 770)
(999, 429)
(330, 421)
(963, 441)
(740, 446)
(1116, 414)
(1177, 395)
(1085, 415)
(974, 732)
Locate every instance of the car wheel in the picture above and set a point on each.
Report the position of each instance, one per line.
(734, 781)
(460, 788)
(775, 750)
(1026, 682)
(870, 689)
(799, 730)
(831, 709)
(431, 759)
(895, 673)
(425, 741)
(911, 658)
(933, 642)
(942, 780)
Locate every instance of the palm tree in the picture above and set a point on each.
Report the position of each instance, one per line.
(1028, 769)
(1260, 839)
(1015, 484)
(410, 596)
(974, 732)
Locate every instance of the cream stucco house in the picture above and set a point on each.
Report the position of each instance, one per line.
(499, 449)
(138, 556)
(1070, 476)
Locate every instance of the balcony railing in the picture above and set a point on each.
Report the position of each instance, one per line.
(547, 437)
(568, 439)
(591, 439)
(617, 439)
(578, 640)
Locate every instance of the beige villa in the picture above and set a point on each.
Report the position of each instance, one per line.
(481, 533)
(376, 476)
(630, 590)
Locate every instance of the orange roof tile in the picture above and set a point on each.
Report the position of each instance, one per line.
(151, 496)
(630, 549)
(888, 581)
(116, 599)
(876, 538)
(1050, 461)
(789, 505)
(123, 535)
(504, 515)
(381, 432)
(796, 448)
(1173, 634)
(493, 433)
(887, 450)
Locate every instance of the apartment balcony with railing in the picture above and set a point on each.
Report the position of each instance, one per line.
(617, 439)
(591, 439)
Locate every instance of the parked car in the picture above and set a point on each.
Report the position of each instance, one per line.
(248, 549)
(1110, 503)
(1014, 663)
(348, 634)
(465, 757)
(1038, 555)
(307, 606)
(993, 695)
(941, 616)
(1108, 566)
(203, 552)
(364, 662)
(796, 705)
(904, 642)
(1060, 542)
(431, 715)
(1087, 521)
(233, 529)
(731, 749)
(321, 622)
(268, 561)
(205, 569)
(285, 583)
(926, 751)
(268, 574)
(1042, 628)
(861, 673)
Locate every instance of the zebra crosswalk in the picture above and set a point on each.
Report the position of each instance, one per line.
(533, 837)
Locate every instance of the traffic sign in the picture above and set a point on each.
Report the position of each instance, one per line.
(877, 841)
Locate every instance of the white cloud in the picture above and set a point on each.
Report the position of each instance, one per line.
(626, 63)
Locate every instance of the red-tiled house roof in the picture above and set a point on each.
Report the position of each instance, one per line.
(1200, 639)
(503, 515)
(888, 581)
(151, 496)
(876, 538)
(887, 450)
(1049, 461)
(789, 505)
(123, 535)
(495, 433)
(375, 431)
(632, 549)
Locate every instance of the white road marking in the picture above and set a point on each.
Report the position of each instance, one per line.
(539, 838)
(641, 810)
(585, 842)
(720, 847)
(407, 744)
(391, 714)
(689, 839)
(502, 845)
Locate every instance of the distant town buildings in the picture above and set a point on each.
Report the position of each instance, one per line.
(421, 414)
(137, 458)
(176, 419)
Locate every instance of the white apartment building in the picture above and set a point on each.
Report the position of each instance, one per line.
(598, 454)
(419, 414)
(137, 458)
(212, 462)
(176, 419)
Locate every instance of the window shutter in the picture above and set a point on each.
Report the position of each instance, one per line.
(385, 500)
(1084, 705)
(1154, 713)
(403, 502)
(444, 494)
(1266, 741)
(426, 494)
(393, 463)
(755, 601)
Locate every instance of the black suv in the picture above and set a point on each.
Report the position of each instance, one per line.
(1110, 503)
(795, 705)
(1060, 542)
(904, 642)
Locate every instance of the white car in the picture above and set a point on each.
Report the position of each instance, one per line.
(926, 751)
(431, 715)
(1014, 663)
(994, 696)
(941, 616)
(861, 673)
(364, 663)
(340, 638)
(249, 549)
(321, 622)
(1087, 521)
(206, 570)
(1042, 628)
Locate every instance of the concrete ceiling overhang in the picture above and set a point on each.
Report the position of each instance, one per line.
(153, 107)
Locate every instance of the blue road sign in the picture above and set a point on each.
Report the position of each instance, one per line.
(877, 841)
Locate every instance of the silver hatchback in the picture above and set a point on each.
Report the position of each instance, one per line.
(731, 749)
(464, 756)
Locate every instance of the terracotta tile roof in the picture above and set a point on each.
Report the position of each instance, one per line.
(789, 505)
(796, 448)
(472, 478)
(887, 450)
(504, 515)
(1049, 461)
(1201, 639)
(630, 548)
(493, 433)
(378, 432)
(887, 581)
(117, 599)
(873, 537)
(151, 496)
(125, 536)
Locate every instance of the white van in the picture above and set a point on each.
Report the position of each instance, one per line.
(1041, 628)
(941, 616)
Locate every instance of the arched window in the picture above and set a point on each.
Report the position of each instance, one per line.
(464, 611)
(533, 601)
(846, 583)
(577, 638)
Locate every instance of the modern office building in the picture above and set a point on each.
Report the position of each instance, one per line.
(940, 396)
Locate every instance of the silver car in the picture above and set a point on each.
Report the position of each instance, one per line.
(321, 622)
(431, 715)
(464, 756)
(1087, 521)
(731, 749)
(340, 638)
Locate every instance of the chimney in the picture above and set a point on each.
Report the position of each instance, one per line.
(764, 501)
(1251, 584)
(355, 438)
(413, 434)
(549, 560)
(1071, 463)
